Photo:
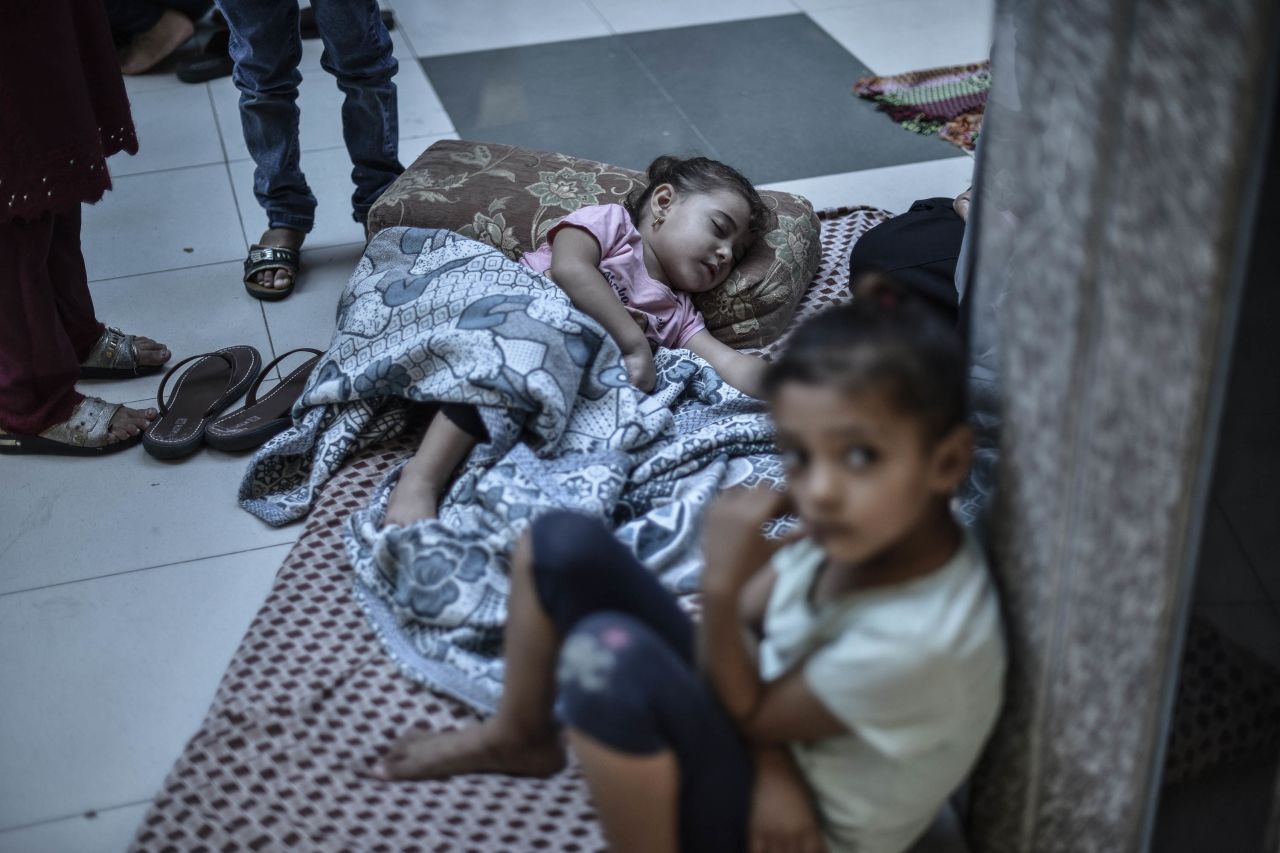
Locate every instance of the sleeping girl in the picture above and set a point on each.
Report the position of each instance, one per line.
(632, 268)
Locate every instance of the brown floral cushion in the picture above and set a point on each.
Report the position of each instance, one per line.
(510, 197)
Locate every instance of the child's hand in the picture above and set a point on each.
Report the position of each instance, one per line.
(783, 817)
(733, 541)
(640, 370)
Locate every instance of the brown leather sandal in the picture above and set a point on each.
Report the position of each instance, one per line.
(207, 387)
(260, 419)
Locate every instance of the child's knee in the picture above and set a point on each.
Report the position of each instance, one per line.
(602, 681)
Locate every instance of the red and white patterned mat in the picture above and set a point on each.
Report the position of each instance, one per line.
(310, 698)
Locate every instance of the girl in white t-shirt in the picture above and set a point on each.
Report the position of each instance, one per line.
(838, 687)
(633, 269)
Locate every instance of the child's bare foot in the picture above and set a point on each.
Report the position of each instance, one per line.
(483, 748)
(148, 49)
(413, 499)
(278, 278)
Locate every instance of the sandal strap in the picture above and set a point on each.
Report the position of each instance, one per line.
(88, 425)
(270, 257)
(257, 383)
(114, 349)
(163, 404)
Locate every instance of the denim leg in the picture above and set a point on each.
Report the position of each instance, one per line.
(266, 48)
(623, 685)
(358, 52)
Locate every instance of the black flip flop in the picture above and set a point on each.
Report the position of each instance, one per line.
(260, 419)
(215, 381)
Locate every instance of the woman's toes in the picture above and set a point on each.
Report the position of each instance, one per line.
(282, 279)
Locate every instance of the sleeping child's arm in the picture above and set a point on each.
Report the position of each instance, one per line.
(575, 268)
(740, 370)
(737, 554)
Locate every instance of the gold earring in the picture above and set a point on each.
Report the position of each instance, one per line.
(658, 220)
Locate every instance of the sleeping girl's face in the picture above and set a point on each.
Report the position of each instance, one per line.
(697, 238)
(861, 473)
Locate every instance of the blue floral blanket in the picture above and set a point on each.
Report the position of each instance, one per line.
(429, 315)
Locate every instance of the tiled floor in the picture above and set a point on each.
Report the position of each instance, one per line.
(126, 584)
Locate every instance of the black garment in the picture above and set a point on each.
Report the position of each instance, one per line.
(627, 676)
(131, 17)
(918, 248)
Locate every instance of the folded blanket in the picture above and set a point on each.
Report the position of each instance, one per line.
(432, 316)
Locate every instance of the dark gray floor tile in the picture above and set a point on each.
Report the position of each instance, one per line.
(1224, 575)
(770, 96)
(1224, 810)
(776, 54)
(666, 131)
(778, 136)
(1255, 627)
(773, 95)
(526, 84)
(1247, 487)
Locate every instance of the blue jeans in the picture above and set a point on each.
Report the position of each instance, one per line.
(266, 48)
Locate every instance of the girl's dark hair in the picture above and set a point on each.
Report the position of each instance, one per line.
(886, 338)
(699, 174)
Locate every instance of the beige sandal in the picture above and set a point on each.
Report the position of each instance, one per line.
(86, 433)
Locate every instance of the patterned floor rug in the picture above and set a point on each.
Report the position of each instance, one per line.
(946, 101)
(309, 699)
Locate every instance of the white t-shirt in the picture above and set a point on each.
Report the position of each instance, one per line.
(915, 671)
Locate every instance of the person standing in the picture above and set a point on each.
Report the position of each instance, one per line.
(63, 111)
(266, 47)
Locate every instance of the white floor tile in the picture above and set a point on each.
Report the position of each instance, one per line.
(329, 176)
(103, 682)
(162, 221)
(175, 128)
(107, 831)
(82, 518)
(626, 16)
(138, 84)
(193, 310)
(320, 105)
(436, 27)
(894, 36)
(892, 188)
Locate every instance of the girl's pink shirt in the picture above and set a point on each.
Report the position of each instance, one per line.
(670, 318)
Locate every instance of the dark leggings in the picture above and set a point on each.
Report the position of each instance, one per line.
(626, 675)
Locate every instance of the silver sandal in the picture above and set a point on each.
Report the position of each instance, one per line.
(86, 433)
(115, 356)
